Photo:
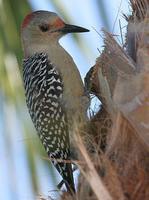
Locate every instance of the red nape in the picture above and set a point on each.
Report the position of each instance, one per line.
(27, 20)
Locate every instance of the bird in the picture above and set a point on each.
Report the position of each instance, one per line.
(53, 87)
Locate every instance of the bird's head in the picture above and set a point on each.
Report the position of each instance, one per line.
(44, 27)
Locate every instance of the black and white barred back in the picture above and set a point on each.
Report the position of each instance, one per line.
(44, 90)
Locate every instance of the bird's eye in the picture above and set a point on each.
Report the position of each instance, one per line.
(44, 27)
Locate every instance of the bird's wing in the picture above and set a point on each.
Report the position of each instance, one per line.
(44, 91)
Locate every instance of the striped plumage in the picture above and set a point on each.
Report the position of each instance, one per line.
(44, 92)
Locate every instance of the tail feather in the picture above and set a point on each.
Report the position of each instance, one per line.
(65, 169)
(69, 180)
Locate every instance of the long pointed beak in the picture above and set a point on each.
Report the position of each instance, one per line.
(73, 29)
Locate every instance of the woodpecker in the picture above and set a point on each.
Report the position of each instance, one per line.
(53, 86)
